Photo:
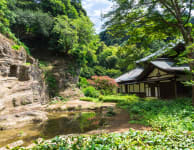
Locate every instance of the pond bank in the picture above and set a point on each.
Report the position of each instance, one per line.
(72, 117)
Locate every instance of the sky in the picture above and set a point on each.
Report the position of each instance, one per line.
(94, 10)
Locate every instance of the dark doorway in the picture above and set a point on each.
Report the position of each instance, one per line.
(167, 90)
(183, 90)
(13, 71)
(126, 89)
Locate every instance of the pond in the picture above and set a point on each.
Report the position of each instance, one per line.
(57, 124)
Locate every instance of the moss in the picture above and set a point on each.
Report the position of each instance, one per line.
(52, 84)
(27, 64)
(16, 47)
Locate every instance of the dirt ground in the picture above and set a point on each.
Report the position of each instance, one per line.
(118, 123)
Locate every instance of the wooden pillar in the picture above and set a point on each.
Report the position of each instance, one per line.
(159, 90)
(175, 88)
(126, 88)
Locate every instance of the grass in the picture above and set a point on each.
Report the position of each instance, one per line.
(89, 99)
(118, 98)
(171, 115)
(111, 98)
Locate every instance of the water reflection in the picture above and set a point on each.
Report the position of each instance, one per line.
(57, 124)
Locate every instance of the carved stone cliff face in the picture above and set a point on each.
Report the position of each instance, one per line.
(61, 70)
(66, 72)
(21, 81)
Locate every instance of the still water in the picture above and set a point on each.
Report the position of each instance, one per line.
(57, 124)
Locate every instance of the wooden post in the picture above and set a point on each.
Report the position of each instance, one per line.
(175, 88)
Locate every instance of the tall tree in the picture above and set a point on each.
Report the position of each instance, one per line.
(171, 17)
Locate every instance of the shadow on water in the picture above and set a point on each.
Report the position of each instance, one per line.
(57, 124)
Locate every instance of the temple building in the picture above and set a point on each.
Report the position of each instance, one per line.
(157, 75)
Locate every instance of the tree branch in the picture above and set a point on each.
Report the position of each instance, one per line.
(163, 2)
(190, 8)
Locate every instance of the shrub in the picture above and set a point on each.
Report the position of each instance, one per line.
(83, 83)
(52, 84)
(89, 99)
(91, 92)
(104, 83)
(119, 99)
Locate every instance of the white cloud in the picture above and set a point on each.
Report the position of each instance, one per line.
(95, 8)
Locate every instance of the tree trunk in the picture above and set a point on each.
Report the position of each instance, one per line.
(188, 42)
(193, 95)
(191, 64)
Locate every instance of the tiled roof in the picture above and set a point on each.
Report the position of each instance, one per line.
(169, 65)
(130, 76)
(164, 64)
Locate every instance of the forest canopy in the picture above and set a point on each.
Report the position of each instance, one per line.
(61, 25)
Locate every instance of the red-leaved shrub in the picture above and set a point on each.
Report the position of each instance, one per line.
(104, 83)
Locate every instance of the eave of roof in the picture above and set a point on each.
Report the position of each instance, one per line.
(169, 65)
(163, 64)
(129, 76)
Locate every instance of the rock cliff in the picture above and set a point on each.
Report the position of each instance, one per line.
(21, 81)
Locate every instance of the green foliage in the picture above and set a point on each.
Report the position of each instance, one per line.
(85, 119)
(28, 64)
(61, 25)
(73, 36)
(6, 16)
(175, 115)
(52, 84)
(83, 83)
(16, 47)
(113, 73)
(90, 91)
(183, 59)
(117, 98)
(31, 23)
(110, 40)
(112, 98)
(55, 7)
(43, 64)
(145, 22)
(89, 99)
(130, 140)
(171, 122)
(103, 62)
(87, 72)
(99, 70)
(4, 20)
